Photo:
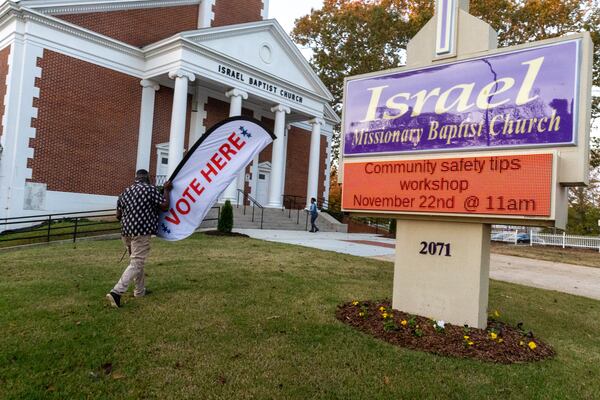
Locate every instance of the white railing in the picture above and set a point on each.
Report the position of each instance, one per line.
(534, 238)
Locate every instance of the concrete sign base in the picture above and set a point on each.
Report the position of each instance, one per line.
(442, 271)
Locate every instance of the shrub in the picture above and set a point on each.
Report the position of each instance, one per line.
(226, 219)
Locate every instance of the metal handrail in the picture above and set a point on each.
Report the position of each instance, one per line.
(293, 201)
(254, 202)
(71, 226)
(45, 216)
(303, 200)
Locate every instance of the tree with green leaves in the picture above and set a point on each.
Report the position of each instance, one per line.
(225, 224)
(351, 37)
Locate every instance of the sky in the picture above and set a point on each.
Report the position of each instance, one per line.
(286, 11)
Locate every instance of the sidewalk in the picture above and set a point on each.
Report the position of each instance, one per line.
(567, 278)
(356, 244)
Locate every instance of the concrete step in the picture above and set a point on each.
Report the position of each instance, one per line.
(279, 219)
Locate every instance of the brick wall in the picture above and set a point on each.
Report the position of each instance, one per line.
(298, 154)
(139, 27)
(4, 53)
(267, 153)
(161, 128)
(87, 127)
(298, 150)
(216, 111)
(229, 12)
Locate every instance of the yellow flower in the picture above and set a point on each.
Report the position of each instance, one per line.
(494, 335)
(382, 308)
(404, 322)
(471, 343)
(384, 315)
(521, 343)
(355, 303)
(361, 314)
(500, 340)
(466, 337)
(532, 345)
(496, 314)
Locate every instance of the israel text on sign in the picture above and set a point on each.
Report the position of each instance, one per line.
(522, 98)
(509, 185)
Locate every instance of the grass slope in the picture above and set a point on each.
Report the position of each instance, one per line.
(234, 318)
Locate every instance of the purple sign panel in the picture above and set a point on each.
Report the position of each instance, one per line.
(523, 98)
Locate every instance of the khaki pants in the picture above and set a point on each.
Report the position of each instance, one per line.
(140, 249)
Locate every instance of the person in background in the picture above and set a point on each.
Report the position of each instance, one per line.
(138, 209)
(314, 214)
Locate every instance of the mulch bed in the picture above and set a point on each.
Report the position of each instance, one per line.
(499, 343)
(231, 234)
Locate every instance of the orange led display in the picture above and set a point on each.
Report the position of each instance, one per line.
(519, 185)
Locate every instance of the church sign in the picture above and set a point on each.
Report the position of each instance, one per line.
(521, 106)
(517, 186)
(465, 137)
(523, 98)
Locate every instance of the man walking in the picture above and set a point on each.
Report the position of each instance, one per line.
(138, 208)
(314, 214)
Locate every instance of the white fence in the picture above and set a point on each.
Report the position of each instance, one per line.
(534, 238)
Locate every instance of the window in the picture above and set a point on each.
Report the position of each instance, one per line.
(164, 160)
(261, 176)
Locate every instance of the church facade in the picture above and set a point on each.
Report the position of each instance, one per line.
(92, 90)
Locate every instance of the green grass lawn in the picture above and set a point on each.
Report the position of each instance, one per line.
(237, 319)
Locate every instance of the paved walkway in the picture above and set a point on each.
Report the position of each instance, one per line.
(347, 243)
(567, 278)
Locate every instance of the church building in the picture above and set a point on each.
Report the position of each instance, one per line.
(92, 90)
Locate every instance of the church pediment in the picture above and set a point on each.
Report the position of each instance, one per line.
(264, 46)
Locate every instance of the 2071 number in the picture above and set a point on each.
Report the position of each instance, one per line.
(435, 249)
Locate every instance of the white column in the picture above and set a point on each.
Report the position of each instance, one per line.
(265, 11)
(313, 164)
(19, 110)
(197, 128)
(144, 151)
(206, 14)
(285, 153)
(178, 117)
(277, 162)
(254, 168)
(236, 97)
